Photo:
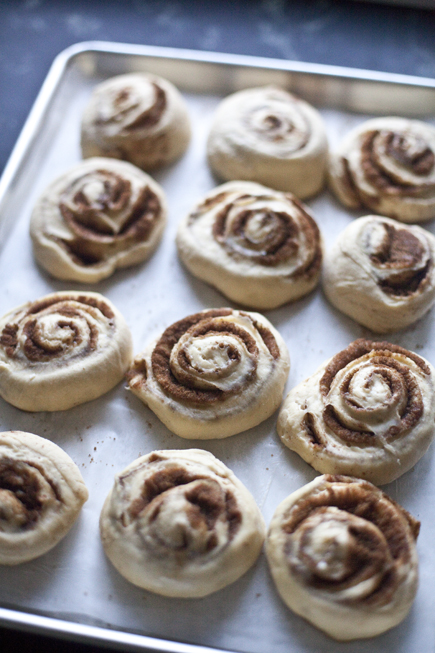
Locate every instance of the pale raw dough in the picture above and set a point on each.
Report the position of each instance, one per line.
(334, 554)
(381, 273)
(268, 135)
(138, 117)
(387, 165)
(369, 411)
(181, 524)
(61, 350)
(41, 495)
(259, 247)
(213, 374)
(100, 215)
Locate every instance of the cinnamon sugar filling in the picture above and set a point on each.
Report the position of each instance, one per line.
(275, 125)
(95, 238)
(378, 176)
(206, 501)
(309, 424)
(198, 325)
(403, 255)
(364, 557)
(9, 339)
(20, 491)
(376, 533)
(38, 348)
(147, 118)
(153, 115)
(280, 238)
(403, 388)
(421, 159)
(359, 348)
(99, 305)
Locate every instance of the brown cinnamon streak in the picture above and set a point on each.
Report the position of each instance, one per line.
(160, 359)
(383, 554)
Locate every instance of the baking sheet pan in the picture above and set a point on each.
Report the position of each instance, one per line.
(73, 591)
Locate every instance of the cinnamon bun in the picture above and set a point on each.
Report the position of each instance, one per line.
(270, 136)
(369, 411)
(181, 524)
(137, 117)
(342, 555)
(259, 247)
(62, 350)
(99, 216)
(41, 495)
(381, 273)
(212, 374)
(387, 165)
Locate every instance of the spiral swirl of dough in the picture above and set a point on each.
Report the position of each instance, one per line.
(100, 215)
(387, 165)
(62, 350)
(259, 247)
(343, 555)
(381, 273)
(41, 494)
(137, 117)
(213, 374)
(179, 523)
(269, 136)
(368, 411)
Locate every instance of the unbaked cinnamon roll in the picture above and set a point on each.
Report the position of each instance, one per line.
(259, 247)
(343, 556)
(138, 117)
(381, 273)
(99, 216)
(387, 165)
(368, 411)
(61, 350)
(212, 374)
(181, 524)
(41, 495)
(268, 135)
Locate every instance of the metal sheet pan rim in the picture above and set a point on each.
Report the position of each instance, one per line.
(84, 633)
(243, 60)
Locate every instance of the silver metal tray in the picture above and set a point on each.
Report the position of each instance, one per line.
(73, 592)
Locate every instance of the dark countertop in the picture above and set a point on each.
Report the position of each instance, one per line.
(365, 35)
